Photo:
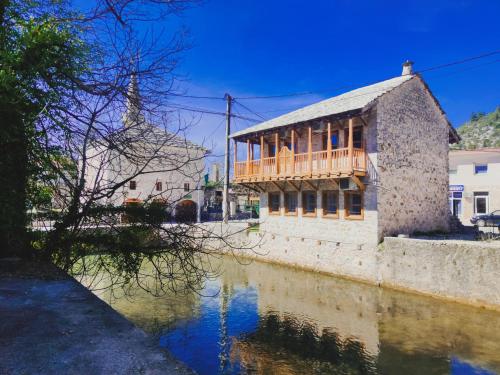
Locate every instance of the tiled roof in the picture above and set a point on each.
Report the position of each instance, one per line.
(349, 101)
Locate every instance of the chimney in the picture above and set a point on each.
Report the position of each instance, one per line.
(407, 68)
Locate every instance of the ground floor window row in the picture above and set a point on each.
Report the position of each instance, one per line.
(328, 204)
(480, 202)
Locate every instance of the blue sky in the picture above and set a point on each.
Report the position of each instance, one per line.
(258, 47)
(277, 47)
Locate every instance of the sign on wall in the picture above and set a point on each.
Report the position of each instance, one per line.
(456, 187)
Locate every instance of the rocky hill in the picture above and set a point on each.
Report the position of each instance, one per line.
(482, 130)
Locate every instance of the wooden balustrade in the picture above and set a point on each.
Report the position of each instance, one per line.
(289, 164)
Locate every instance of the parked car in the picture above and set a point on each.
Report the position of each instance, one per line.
(487, 220)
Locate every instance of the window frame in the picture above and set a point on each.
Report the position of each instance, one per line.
(324, 204)
(269, 201)
(313, 213)
(187, 188)
(132, 185)
(482, 171)
(347, 205)
(286, 207)
(486, 197)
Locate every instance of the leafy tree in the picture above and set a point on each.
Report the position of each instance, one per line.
(40, 57)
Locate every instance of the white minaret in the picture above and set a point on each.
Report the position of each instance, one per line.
(132, 113)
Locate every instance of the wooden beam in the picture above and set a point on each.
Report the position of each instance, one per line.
(358, 182)
(335, 184)
(279, 187)
(293, 151)
(309, 149)
(329, 148)
(261, 166)
(248, 157)
(276, 151)
(310, 185)
(350, 147)
(293, 185)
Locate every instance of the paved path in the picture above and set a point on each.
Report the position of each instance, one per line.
(59, 327)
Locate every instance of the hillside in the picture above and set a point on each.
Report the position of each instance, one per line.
(482, 130)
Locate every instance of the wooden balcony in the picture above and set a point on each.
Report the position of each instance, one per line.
(341, 162)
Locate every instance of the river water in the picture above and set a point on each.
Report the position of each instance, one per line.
(260, 318)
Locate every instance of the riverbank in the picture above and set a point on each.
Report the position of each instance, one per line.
(463, 271)
(57, 326)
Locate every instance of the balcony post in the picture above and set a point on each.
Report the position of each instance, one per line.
(329, 148)
(248, 157)
(235, 169)
(276, 151)
(293, 151)
(350, 146)
(309, 149)
(261, 166)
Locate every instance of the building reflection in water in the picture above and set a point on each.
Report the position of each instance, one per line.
(269, 319)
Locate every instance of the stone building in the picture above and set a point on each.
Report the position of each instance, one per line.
(162, 165)
(474, 182)
(354, 168)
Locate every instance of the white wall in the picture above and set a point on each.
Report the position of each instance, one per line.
(462, 173)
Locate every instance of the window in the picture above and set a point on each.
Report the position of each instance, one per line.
(274, 202)
(335, 140)
(357, 137)
(159, 186)
(291, 202)
(481, 203)
(308, 202)
(186, 186)
(455, 198)
(480, 168)
(132, 185)
(453, 171)
(271, 150)
(353, 205)
(330, 200)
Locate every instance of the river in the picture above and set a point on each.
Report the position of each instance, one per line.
(260, 318)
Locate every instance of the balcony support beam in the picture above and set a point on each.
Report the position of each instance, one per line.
(358, 182)
(293, 151)
(309, 149)
(261, 166)
(248, 157)
(350, 146)
(329, 148)
(276, 151)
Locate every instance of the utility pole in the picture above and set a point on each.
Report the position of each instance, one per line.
(225, 193)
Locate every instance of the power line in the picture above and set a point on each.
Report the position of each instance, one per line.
(441, 66)
(250, 110)
(460, 61)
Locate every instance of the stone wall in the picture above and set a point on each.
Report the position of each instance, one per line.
(412, 161)
(359, 232)
(465, 271)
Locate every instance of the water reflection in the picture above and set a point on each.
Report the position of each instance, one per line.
(276, 320)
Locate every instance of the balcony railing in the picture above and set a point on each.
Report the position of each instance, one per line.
(289, 165)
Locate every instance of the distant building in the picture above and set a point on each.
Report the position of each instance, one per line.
(215, 173)
(474, 182)
(175, 179)
(353, 168)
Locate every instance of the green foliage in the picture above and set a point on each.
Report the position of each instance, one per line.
(41, 57)
(483, 130)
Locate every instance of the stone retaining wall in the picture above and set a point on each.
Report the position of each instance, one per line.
(463, 271)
